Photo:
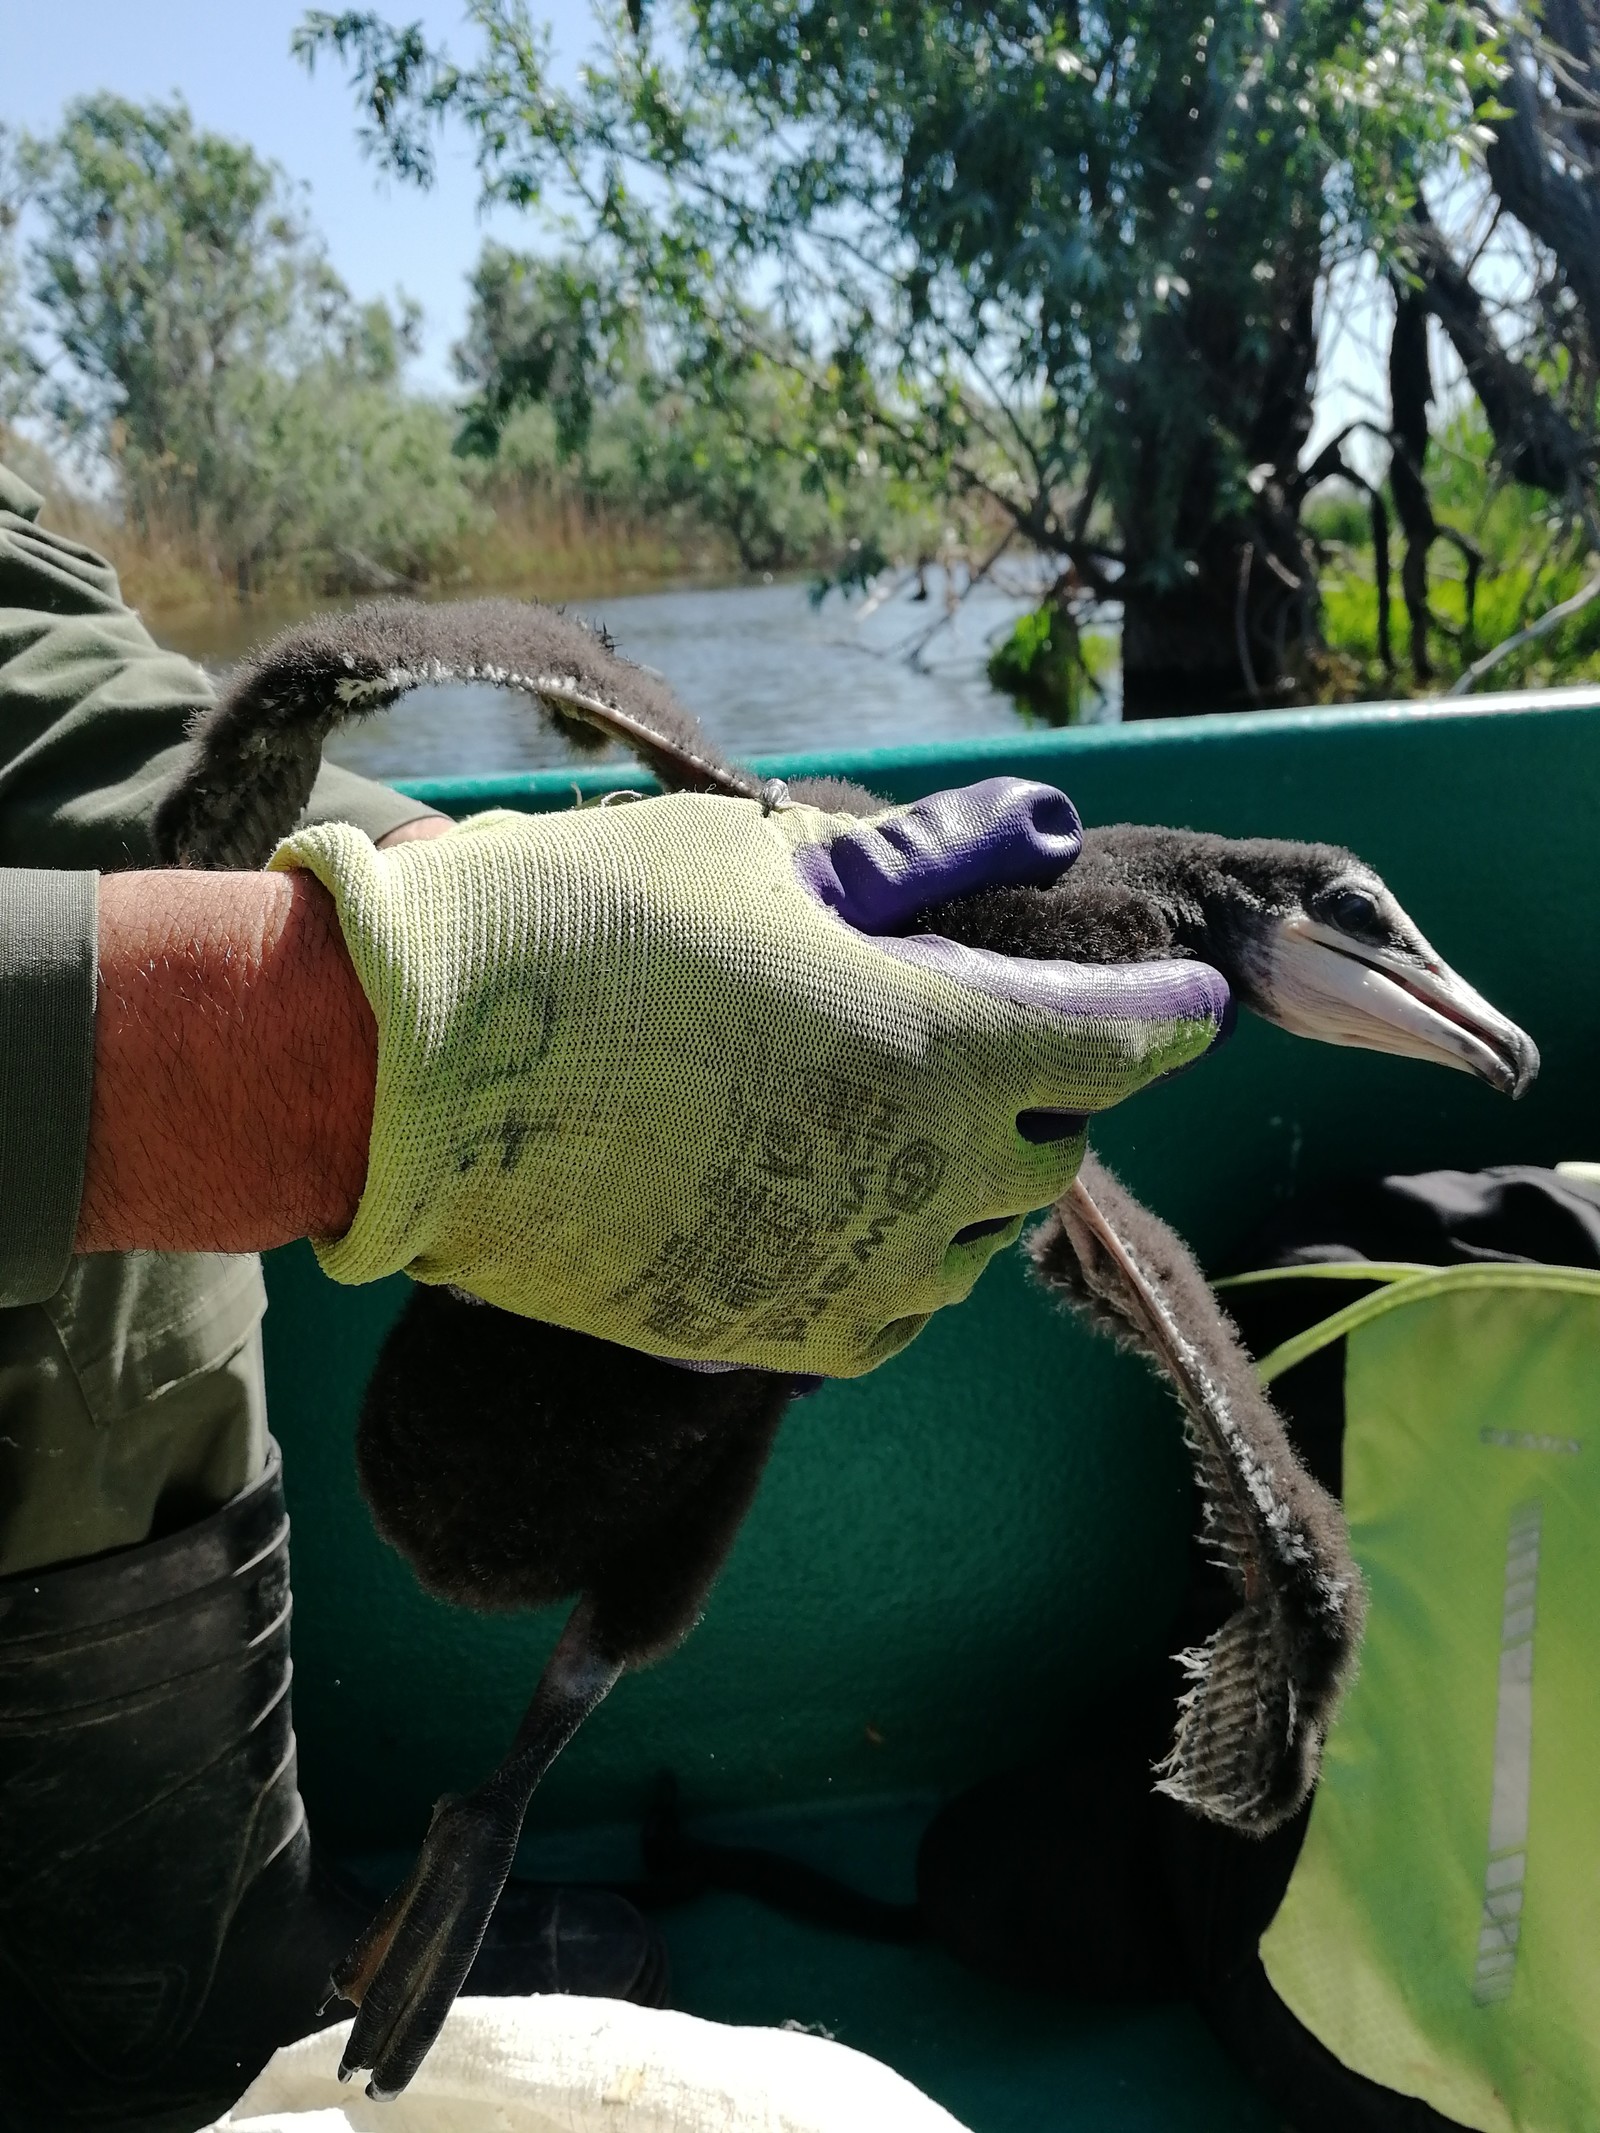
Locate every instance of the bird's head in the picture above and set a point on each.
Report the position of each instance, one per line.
(1311, 938)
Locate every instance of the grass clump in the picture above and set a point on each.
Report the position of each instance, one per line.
(1533, 557)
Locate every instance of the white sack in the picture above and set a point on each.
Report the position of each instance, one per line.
(561, 2065)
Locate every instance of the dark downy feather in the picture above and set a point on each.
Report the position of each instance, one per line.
(1264, 1688)
(472, 1470)
(261, 745)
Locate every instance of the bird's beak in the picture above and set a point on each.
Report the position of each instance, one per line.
(1323, 984)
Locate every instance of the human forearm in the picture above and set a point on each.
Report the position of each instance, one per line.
(234, 1060)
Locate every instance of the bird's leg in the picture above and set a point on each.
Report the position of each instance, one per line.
(406, 1969)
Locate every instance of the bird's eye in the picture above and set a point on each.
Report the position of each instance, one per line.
(1353, 911)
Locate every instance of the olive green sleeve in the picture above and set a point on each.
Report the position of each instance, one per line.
(94, 714)
(47, 980)
(93, 723)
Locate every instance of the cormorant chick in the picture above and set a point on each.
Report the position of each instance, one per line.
(515, 1464)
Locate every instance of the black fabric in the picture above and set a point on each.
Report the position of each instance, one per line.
(164, 1925)
(1510, 1212)
(1052, 1876)
(147, 1769)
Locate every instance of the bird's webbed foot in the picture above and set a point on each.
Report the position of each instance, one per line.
(405, 1971)
(407, 1967)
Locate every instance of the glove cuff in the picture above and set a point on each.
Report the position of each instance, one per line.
(346, 862)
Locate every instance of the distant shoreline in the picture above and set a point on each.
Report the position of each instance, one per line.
(218, 632)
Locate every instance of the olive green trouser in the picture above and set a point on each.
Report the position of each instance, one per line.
(132, 1403)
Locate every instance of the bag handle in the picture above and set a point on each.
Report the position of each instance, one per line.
(1328, 1270)
(1404, 1284)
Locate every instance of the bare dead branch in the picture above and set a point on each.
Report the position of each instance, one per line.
(913, 650)
(1535, 630)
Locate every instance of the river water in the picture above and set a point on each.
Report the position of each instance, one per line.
(764, 671)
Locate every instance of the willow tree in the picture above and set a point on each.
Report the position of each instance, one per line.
(1067, 259)
(181, 327)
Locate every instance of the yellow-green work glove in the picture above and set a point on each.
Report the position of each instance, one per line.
(671, 1073)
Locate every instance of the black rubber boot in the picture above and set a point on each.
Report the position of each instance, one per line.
(164, 1926)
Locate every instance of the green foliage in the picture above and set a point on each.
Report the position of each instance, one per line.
(1533, 559)
(19, 368)
(255, 418)
(1338, 516)
(352, 483)
(544, 341)
(742, 463)
(1048, 664)
(169, 261)
(535, 336)
(206, 350)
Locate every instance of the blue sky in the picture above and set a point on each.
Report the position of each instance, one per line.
(232, 63)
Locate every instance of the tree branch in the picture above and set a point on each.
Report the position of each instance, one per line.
(1561, 210)
(1536, 443)
(1535, 630)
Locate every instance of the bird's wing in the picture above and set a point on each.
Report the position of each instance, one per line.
(259, 747)
(1263, 1690)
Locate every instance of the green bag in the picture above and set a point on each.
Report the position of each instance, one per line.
(1441, 1931)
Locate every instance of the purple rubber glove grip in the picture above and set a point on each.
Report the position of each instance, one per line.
(1004, 833)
